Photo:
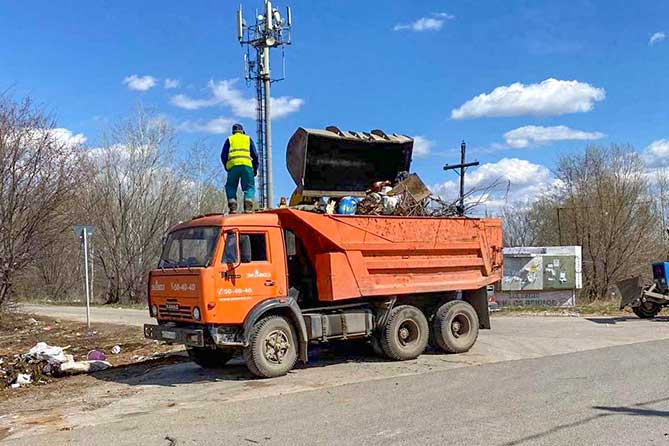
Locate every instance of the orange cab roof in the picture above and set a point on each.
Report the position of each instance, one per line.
(255, 219)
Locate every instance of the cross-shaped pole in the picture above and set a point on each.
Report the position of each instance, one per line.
(463, 167)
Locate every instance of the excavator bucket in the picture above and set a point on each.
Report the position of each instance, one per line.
(630, 290)
(335, 163)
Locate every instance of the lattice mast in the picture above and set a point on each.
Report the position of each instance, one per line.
(269, 31)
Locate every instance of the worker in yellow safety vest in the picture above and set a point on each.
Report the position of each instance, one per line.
(240, 159)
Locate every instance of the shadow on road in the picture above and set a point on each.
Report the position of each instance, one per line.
(605, 411)
(609, 320)
(179, 370)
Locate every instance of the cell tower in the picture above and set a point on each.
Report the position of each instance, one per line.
(269, 31)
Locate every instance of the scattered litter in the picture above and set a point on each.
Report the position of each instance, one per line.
(173, 441)
(96, 355)
(32, 321)
(77, 367)
(15, 386)
(43, 351)
(23, 379)
(116, 349)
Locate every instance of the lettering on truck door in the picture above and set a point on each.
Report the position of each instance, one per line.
(254, 280)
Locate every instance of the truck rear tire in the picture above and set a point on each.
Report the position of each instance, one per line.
(455, 326)
(405, 333)
(209, 358)
(647, 310)
(272, 349)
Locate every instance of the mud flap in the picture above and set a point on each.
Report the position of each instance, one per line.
(630, 290)
(479, 300)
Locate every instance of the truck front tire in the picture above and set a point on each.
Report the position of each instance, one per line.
(209, 358)
(455, 327)
(405, 333)
(273, 347)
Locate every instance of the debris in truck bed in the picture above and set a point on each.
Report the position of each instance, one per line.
(409, 197)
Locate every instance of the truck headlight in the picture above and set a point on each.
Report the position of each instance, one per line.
(196, 314)
(154, 311)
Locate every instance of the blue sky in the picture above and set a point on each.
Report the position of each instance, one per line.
(554, 76)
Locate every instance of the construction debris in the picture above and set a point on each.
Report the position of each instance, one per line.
(409, 197)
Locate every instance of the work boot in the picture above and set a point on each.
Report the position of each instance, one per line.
(232, 206)
(248, 206)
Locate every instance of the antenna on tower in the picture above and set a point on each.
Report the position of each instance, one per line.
(270, 30)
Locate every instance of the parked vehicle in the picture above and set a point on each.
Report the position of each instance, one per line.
(271, 283)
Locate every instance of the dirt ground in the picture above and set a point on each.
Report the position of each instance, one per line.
(20, 332)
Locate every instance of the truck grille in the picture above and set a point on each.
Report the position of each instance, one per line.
(173, 309)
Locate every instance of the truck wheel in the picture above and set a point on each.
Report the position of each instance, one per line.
(455, 326)
(647, 310)
(209, 358)
(404, 335)
(272, 349)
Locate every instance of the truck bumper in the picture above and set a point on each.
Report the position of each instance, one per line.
(193, 337)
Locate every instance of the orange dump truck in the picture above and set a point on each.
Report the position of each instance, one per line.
(271, 283)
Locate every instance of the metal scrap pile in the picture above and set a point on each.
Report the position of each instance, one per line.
(409, 197)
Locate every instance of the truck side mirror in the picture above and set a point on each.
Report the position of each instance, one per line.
(231, 251)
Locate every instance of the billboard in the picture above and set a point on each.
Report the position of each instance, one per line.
(548, 275)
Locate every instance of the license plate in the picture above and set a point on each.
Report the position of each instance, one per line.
(169, 335)
(172, 307)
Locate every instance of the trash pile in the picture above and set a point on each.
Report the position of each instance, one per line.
(44, 361)
(407, 196)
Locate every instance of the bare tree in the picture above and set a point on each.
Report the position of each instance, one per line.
(204, 178)
(603, 206)
(520, 224)
(135, 195)
(38, 176)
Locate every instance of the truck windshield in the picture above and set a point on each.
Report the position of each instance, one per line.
(189, 247)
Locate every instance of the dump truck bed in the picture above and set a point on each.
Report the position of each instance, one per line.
(364, 256)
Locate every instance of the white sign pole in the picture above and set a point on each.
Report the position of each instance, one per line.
(88, 291)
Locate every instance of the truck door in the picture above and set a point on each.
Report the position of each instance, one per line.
(258, 274)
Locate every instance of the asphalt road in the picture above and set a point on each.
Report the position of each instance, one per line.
(528, 381)
(611, 396)
(107, 315)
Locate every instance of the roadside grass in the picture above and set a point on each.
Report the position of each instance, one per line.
(602, 308)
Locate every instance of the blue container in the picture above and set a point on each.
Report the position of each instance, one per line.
(348, 205)
(660, 274)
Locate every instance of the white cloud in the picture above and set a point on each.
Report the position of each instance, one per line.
(283, 106)
(657, 38)
(518, 180)
(215, 126)
(433, 23)
(551, 97)
(183, 101)
(140, 83)
(67, 137)
(537, 135)
(224, 93)
(422, 146)
(168, 84)
(657, 154)
(61, 135)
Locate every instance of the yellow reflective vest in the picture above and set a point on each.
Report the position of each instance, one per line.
(240, 151)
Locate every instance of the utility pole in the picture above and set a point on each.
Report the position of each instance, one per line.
(269, 31)
(463, 167)
(84, 232)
